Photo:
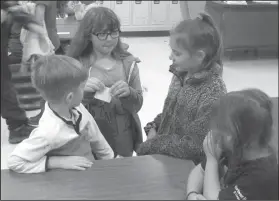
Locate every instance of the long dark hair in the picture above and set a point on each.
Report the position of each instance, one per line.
(96, 19)
(246, 116)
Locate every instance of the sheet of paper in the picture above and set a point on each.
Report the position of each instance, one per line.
(103, 95)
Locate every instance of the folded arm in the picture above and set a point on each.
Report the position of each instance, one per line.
(187, 142)
(30, 155)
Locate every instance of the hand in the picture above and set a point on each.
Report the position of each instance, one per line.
(200, 197)
(94, 84)
(212, 150)
(195, 196)
(152, 133)
(118, 156)
(120, 89)
(69, 162)
(148, 127)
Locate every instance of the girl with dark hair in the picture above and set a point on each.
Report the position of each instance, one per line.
(197, 83)
(240, 164)
(98, 46)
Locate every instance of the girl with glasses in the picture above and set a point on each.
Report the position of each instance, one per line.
(98, 46)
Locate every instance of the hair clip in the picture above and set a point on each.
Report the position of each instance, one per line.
(199, 17)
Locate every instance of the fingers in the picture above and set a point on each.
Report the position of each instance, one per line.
(94, 84)
(200, 197)
(82, 163)
(78, 168)
(115, 87)
(124, 92)
(120, 89)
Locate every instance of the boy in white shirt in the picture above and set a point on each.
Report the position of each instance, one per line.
(67, 136)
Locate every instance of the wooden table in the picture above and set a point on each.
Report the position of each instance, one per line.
(146, 177)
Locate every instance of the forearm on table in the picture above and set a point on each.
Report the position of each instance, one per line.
(55, 162)
(211, 180)
(102, 150)
(21, 165)
(162, 144)
(195, 180)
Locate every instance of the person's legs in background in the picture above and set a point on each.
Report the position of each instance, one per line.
(10, 110)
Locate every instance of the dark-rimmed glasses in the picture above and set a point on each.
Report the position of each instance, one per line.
(104, 36)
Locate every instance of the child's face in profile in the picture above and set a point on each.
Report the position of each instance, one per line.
(182, 60)
(74, 98)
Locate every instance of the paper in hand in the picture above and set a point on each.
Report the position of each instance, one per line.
(103, 95)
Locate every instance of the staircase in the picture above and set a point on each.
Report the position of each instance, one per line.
(28, 96)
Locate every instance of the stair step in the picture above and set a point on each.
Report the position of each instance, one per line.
(30, 106)
(18, 77)
(29, 98)
(25, 88)
(14, 67)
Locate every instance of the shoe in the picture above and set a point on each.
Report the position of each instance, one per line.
(34, 121)
(20, 133)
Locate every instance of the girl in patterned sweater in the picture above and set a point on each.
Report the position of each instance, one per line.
(197, 83)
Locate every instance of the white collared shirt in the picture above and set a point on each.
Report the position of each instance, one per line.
(54, 135)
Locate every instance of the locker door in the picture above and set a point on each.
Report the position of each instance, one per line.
(106, 4)
(159, 12)
(175, 13)
(123, 11)
(140, 10)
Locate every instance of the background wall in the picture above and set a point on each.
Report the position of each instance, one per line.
(190, 9)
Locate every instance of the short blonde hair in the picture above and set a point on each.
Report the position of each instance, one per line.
(56, 75)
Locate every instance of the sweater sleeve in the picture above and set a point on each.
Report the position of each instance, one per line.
(187, 142)
(30, 155)
(133, 103)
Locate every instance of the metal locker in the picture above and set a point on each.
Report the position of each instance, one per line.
(123, 11)
(160, 12)
(175, 14)
(106, 4)
(140, 13)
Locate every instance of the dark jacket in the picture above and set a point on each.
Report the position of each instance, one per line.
(185, 119)
(118, 120)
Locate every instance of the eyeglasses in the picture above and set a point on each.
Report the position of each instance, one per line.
(104, 36)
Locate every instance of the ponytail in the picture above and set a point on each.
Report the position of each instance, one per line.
(216, 57)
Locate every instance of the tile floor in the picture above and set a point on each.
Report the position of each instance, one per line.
(154, 53)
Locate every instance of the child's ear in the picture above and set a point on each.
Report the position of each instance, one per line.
(200, 56)
(69, 97)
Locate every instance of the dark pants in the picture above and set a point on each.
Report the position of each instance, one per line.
(10, 109)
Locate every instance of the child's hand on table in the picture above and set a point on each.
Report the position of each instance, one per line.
(69, 162)
(196, 196)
